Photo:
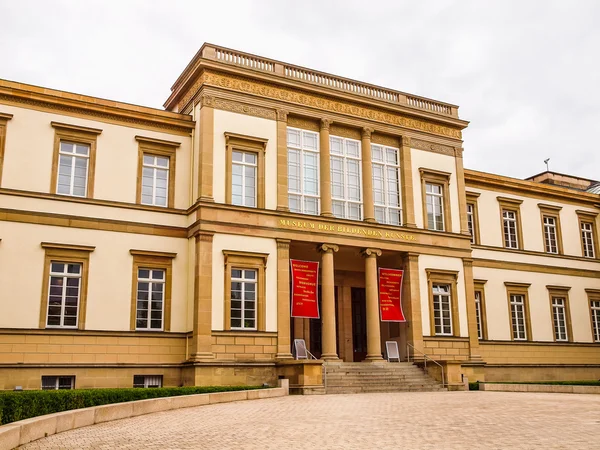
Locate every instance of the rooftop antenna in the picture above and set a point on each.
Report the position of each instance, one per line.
(546, 162)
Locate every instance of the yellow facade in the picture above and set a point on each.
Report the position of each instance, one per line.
(226, 104)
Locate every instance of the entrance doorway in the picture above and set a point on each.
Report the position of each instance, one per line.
(359, 324)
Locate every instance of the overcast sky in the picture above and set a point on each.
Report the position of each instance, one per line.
(526, 74)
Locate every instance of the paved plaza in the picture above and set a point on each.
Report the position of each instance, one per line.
(420, 420)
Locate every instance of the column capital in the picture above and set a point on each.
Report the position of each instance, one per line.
(411, 256)
(206, 236)
(326, 123)
(282, 115)
(283, 244)
(366, 132)
(327, 248)
(467, 262)
(370, 252)
(458, 152)
(405, 141)
(207, 100)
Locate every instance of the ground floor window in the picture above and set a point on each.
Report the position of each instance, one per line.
(517, 312)
(442, 314)
(559, 315)
(478, 314)
(147, 381)
(50, 383)
(595, 312)
(243, 299)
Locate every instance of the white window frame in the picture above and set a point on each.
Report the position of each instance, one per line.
(151, 280)
(155, 167)
(301, 195)
(150, 381)
(244, 280)
(442, 295)
(518, 316)
(587, 237)
(595, 316)
(244, 164)
(345, 202)
(511, 235)
(559, 318)
(386, 166)
(550, 234)
(74, 156)
(479, 314)
(471, 221)
(65, 275)
(54, 380)
(430, 197)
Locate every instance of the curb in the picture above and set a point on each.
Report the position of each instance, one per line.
(24, 431)
(548, 388)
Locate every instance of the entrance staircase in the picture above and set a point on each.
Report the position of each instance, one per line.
(363, 377)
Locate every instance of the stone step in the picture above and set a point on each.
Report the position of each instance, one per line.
(346, 390)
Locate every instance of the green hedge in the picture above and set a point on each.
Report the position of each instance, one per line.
(25, 404)
(474, 386)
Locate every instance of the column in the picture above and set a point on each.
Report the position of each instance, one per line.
(408, 199)
(328, 341)
(474, 354)
(206, 147)
(462, 193)
(367, 176)
(282, 162)
(372, 300)
(411, 302)
(201, 339)
(283, 299)
(325, 161)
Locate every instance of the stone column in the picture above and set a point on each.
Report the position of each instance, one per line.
(411, 302)
(201, 348)
(367, 176)
(282, 162)
(372, 300)
(406, 181)
(328, 330)
(283, 299)
(206, 148)
(462, 193)
(474, 354)
(325, 161)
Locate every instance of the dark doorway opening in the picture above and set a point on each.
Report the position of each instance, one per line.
(359, 324)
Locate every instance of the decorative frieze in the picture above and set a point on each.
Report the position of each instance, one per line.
(431, 147)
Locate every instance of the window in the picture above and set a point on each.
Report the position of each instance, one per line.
(511, 222)
(436, 200)
(245, 173)
(64, 286)
(151, 290)
(589, 235)
(594, 299)
(50, 383)
(156, 172)
(443, 308)
(471, 221)
(346, 178)
(559, 315)
(245, 290)
(303, 171)
(473, 217)
(550, 238)
(551, 228)
(479, 314)
(519, 311)
(386, 184)
(147, 381)
(74, 160)
(4, 118)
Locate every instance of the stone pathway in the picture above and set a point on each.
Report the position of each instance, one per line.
(419, 420)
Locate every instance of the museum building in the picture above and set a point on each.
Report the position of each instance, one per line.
(146, 247)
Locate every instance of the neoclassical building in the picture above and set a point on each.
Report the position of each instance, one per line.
(145, 247)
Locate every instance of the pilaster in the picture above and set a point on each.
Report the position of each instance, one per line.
(325, 163)
(282, 162)
(408, 199)
(474, 353)
(201, 339)
(367, 176)
(283, 299)
(372, 304)
(462, 193)
(411, 301)
(328, 332)
(205, 154)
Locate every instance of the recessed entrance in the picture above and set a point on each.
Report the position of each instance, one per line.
(359, 324)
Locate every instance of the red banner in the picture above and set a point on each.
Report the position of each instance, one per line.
(390, 299)
(305, 282)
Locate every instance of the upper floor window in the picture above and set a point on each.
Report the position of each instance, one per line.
(74, 160)
(386, 184)
(156, 172)
(303, 171)
(346, 178)
(4, 118)
(511, 222)
(435, 206)
(436, 200)
(589, 234)
(472, 216)
(551, 228)
(471, 221)
(245, 177)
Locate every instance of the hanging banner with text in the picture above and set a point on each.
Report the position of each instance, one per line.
(390, 299)
(305, 282)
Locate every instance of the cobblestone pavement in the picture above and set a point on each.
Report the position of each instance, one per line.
(420, 420)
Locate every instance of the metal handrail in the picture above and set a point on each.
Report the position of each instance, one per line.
(409, 346)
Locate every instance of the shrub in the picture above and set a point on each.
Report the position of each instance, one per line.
(25, 404)
(474, 386)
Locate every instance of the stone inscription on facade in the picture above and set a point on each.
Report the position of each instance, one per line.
(345, 229)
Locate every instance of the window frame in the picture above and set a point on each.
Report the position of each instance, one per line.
(588, 217)
(345, 158)
(522, 289)
(65, 253)
(250, 144)
(157, 147)
(560, 292)
(443, 277)
(511, 205)
(246, 260)
(301, 149)
(552, 212)
(145, 386)
(74, 134)
(480, 287)
(4, 118)
(441, 178)
(57, 382)
(386, 206)
(594, 296)
(146, 259)
(472, 198)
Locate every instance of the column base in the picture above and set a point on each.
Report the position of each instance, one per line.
(374, 358)
(327, 214)
(287, 355)
(207, 199)
(202, 357)
(329, 357)
(370, 220)
(283, 209)
(410, 225)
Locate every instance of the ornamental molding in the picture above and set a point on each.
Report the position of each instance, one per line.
(432, 147)
(345, 131)
(282, 115)
(384, 139)
(321, 102)
(303, 123)
(243, 108)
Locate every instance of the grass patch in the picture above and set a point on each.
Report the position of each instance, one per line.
(25, 404)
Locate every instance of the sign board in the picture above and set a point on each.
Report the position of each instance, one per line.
(300, 349)
(391, 349)
(390, 291)
(305, 282)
